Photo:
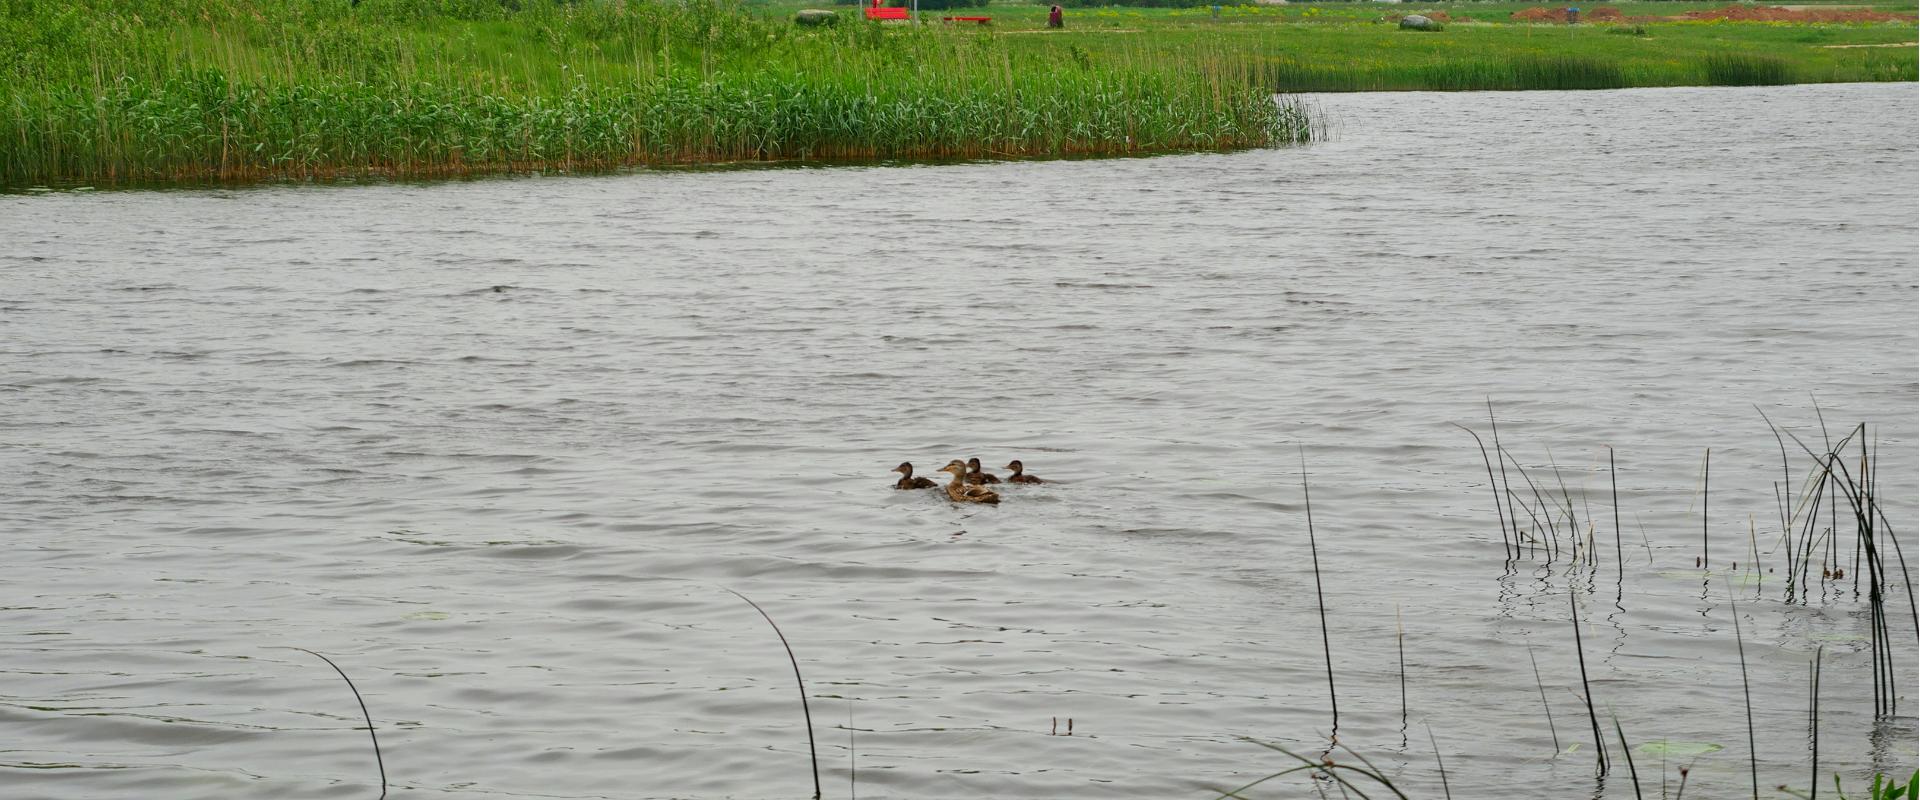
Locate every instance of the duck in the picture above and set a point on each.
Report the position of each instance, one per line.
(960, 491)
(1018, 476)
(974, 475)
(907, 481)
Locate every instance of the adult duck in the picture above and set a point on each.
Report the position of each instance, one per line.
(960, 491)
(974, 475)
(907, 481)
(1018, 475)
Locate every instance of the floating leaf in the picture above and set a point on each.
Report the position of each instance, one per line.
(1671, 749)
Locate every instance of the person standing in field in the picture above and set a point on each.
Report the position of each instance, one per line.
(1055, 19)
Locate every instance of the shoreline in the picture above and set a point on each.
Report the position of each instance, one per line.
(232, 91)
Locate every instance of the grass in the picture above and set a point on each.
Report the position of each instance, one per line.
(98, 91)
(246, 89)
(1339, 47)
(1743, 70)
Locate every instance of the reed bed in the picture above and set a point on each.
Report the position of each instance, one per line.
(1831, 502)
(236, 90)
(1747, 70)
(1829, 507)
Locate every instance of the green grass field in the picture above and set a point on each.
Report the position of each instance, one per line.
(113, 91)
(1305, 47)
(119, 91)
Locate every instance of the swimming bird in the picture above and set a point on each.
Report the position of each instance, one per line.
(974, 475)
(907, 481)
(960, 491)
(1018, 476)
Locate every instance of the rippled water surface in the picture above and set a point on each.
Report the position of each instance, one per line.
(499, 448)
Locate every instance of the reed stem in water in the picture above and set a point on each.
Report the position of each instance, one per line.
(812, 750)
(377, 760)
(1746, 691)
(1326, 639)
(1444, 786)
(1599, 741)
(1543, 698)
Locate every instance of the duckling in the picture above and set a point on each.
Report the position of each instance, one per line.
(1018, 476)
(907, 481)
(960, 491)
(974, 475)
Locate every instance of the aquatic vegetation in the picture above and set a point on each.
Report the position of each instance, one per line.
(1669, 749)
(813, 751)
(378, 760)
(1840, 480)
(1882, 788)
(1746, 70)
(231, 89)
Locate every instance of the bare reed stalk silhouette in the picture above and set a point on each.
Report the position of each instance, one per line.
(377, 759)
(813, 750)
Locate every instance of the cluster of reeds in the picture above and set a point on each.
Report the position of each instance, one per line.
(1504, 74)
(1557, 523)
(1843, 478)
(1539, 519)
(1747, 70)
(404, 87)
(1844, 474)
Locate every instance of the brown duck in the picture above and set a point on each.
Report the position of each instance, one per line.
(907, 481)
(974, 475)
(960, 491)
(1018, 476)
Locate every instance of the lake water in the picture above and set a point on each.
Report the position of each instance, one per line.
(500, 448)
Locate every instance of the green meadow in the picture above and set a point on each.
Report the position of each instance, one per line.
(104, 91)
(132, 91)
(1338, 47)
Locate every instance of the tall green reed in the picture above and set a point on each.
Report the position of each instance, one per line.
(1747, 70)
(409, 88)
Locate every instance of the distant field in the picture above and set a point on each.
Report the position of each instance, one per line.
(182, 90)
(1357, 46)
